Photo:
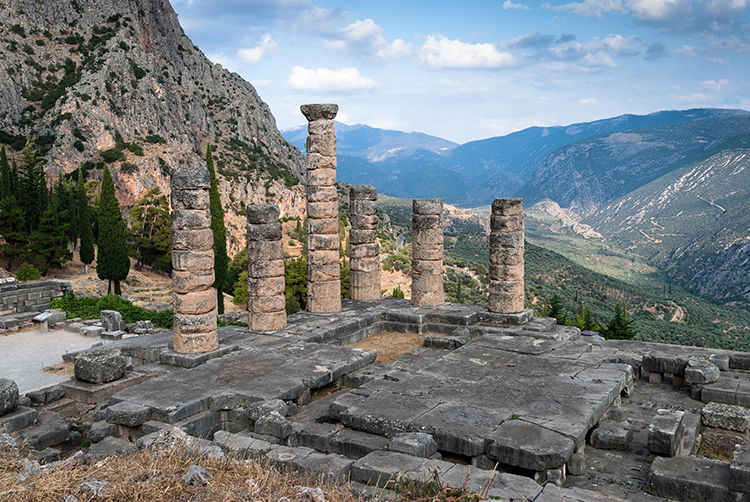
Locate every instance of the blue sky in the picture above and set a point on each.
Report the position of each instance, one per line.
(475, 69)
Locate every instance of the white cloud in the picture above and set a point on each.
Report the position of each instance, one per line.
(656, 10)
(440, 52)
(510, 5)
(365, 37)
(255, 54)
(624, 45)
(326, 79)
(588, 101)
(594, 8)
(715, 85)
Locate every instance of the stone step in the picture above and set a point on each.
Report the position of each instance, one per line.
(695, 479)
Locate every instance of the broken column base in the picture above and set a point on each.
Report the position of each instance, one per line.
(492, 318)
(172, 358)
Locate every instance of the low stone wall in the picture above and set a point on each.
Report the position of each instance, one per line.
(20, 297)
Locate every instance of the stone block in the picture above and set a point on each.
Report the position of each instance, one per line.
(186, 219)
(427, 206)
(739, 469)
(529, 446)
(258, 214)
(325, 226)
(361, 236)
(92, 331)
(507, 273)
(52, 429)
(506, 256)
(313, 435)
(196, 262)
(324, 297)
(190, 178)
(195, 324)
(693, 479)
(506, 297)
(507, 207)
(262, 408)
(273, 424)
(18, 419)
(264, 232)
(370, 250)
(100, 430)
(195, 302)
(190, 199)
(322, 210)
(356, 444)
(324, 242)
(418, 444)
(45, 396)
(264, 304)
(665, 432)
(314, 112)
(112, 320)
(325, 145)
(266, 268)
(197, 239)
(186, 281)
(322, 175)
(112, 335)
(195, 343)
(243, 446)
(324, 273)
(506, 224)
(129, 414)
(100, 366)
(110, 446)
(514, 240)
(265, 250)
(8, 396)
(363, 192)
(322, 193)
(664, 363)
(287, 458)
(726, 416)
(612, 435)
(700, 371)
(331, 466)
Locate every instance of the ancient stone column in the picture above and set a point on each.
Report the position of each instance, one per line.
(265, 267)
(507, 257)
(323, 274)
(427, 253)
(364, 257)
(195, 311)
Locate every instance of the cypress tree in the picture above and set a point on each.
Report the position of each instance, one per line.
(32, 187)
(112, 263)
(86, 247)
(12, 230)
(221, 260)
(6, 176)
(557, 309)
(48, 244)
(620, 327)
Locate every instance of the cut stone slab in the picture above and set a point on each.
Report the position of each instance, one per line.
(51, 429)
(720, 360)
(92, 331)
(288, 458)
(263, 408)
(693, 479)
(665, 432)
(112, 335)
(273, 424)
(45, 396)
(100, 366)
(18, 419)
(243, 446)
(313, 435)
(8, 396)
(553, 493)
(356, 444)
(612, 435)
(700, 372)
(100, 430)
(739, 469)
(110, 446)
(726, 416)
(502, 485)
(529, 446)
(418, 444)
(382, 468)
(332, 466)
(129, 414)
(192, 360)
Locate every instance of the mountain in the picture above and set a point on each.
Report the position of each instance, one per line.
(119, 82)
(590, 173)
(374, 144)
(694, 223)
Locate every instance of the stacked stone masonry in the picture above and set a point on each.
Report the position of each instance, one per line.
(506, 257)
(427, 253)
(364, 260)
(34, 296)
(192, 263)
(266, 301)
(323, 273)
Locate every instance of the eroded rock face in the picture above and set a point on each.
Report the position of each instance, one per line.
(8, 396)
(100, 366)
(168, 99)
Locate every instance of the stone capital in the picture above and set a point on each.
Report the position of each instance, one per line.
(319, 111)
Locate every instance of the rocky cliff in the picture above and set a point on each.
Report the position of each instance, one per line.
(119, 82)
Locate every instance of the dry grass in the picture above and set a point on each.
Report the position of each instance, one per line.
(155, 476)
(390, 344)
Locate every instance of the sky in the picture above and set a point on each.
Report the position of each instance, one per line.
(473, 69)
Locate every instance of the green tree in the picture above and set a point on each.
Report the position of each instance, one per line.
(620, 327)
(295, 274)
(112, 261)
(6, 176)
(557, 309)
(28, 272)
(32, 186)
(48, 246)
(236, 267)
(344, 277)
(151, 231)
(12, 230)
(86, 246)
(66, 207)
(221, 260)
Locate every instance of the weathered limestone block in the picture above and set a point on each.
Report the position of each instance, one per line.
(665, 432)
(195, 326)
(100, 366)
(699, 371)
(612, 435)
(726, 416)
(507, 289)
(323, 273)
(739, 469)
(427, 253)
(8, 396)
(266, 302)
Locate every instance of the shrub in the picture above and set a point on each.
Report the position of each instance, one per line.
(113, 155)
(91, 308)
(397, 292)
(28, 272)
(136, 149)
(155, 138)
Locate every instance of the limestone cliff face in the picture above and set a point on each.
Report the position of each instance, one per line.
(88, 76)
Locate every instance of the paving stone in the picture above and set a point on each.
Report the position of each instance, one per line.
(332, 466)
(387, 413)
(695, 479)
(611, 435)
(129, 414)
(110, 446)
(8, 396)
(418, 444)
(52, 429)
(100, 430)
(699, 371)
(313, 435)
(288, 458)
(724, 390)
(112, 335)
(356, 444)
(243, 446)
(381, 467)
(726, 416)
(529, 446)
(458, 428)
(18, 419)
(273, 424)
(665, 432)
